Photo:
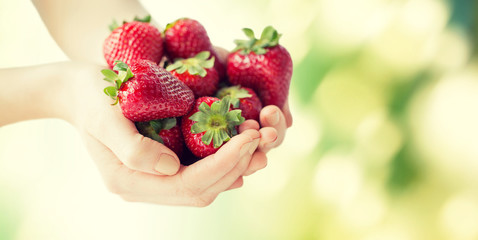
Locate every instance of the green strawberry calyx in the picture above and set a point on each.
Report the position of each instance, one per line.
(123, 75)
(114, 25)
(152, 128)
(235, 92)
(217, 121)
(269, 38)
(195, 66)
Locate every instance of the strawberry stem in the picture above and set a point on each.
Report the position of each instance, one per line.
(196, 65)
(217, 121)
(269, 38)
(123, 75)
(235, 92)
(152, 128)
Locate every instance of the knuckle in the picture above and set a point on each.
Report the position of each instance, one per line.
(203, 200)
(113, 186)
(132, 155)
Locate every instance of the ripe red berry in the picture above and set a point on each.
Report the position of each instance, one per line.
(244, 99)
(209, 125)
(147, 92)
(263, 65)
(185, 37)
(165, 131)
(133, 41)
(197, 73)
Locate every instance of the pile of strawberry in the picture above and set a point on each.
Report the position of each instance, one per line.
(177, 91)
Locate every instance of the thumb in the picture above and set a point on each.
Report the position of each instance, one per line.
(133, 149)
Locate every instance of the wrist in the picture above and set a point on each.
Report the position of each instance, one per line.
(43, 91)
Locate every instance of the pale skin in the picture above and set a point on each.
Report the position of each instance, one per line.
(134, 167)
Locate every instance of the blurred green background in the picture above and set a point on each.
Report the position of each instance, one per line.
(384, 144)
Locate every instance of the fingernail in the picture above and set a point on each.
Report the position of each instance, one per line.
(273, 118)
(254, 145)
(244, 149)
(167, 164)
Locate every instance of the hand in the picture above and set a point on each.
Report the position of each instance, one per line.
(274, 122)
(140, 169)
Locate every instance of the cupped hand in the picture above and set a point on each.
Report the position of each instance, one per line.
(140, 169)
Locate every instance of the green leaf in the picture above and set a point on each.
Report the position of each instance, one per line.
(202, 72)
(199, 117)
(203, 107)
(111, 92)
(145, 19)
(260, 51)
(268, 33)
(269, 38)
(182, 69)
(129, 74)
(209, 63)
(193, 70)
(108, 80)
(156, 125)
(216, 107)
(155, 136)
(109, 74)
(234, 117)
(174, 66)
(120, 66)
(224, 136)
(168, 123)
(118, 84)
(217, 140)
(249, 33)
(207, 138)
(199, 127)
(114, 25)
(204, 55)
(224, 105)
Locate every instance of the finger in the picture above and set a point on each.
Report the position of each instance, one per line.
(287, 114)
(237, 184)
(133, 149)
(133, 185)
(238, 170)
(268, 139)
(258, 162)
(204, 173)
(249, 124)
(272, 116)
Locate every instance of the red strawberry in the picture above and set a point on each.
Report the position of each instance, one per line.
(147, 92)
(209, 124)
(197, 73)
(185, 38)
(243, 98)
(133, 41)
(263, 65)
(165, 131)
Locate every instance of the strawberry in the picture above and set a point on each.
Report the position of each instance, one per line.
(210, 123)
(263, 65)
(197, 73)
(185, 38)
(165, 131)
(147, 92)
(133, 41)
(243, 98)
